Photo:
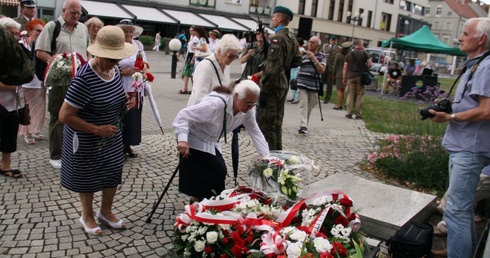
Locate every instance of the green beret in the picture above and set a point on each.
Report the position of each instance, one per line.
(333, 37)
(285, 10)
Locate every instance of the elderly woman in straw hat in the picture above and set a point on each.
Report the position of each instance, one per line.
(132, 120)
(92, 158)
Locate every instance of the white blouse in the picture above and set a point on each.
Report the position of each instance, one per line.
(201, 125)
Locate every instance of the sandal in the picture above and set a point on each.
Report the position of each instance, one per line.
(129, 151)
(14, 173)
(39, 136)
(29, 140)
(183, 92)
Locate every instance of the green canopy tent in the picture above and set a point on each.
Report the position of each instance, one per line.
(423, 40)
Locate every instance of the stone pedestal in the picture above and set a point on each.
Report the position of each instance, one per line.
(383, 208)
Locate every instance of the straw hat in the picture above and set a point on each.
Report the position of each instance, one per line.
(127, 22)
(110, 44)
(214, 32)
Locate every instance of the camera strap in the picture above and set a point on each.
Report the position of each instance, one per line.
(473, 69)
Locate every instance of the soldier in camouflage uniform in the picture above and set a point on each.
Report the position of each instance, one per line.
(254, 57)
(281, 56)
(330, 50)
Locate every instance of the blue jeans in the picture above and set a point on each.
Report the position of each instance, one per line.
(464, 175)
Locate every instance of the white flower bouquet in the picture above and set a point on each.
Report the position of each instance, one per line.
(281, 172)
(62, 68)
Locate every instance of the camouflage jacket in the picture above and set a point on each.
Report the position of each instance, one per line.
(16, 67)
(281, 56)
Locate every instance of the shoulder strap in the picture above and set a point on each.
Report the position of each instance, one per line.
(216, 70)
(56, 33)
(223, 132)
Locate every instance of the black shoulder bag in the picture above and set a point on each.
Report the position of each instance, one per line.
(40, 65)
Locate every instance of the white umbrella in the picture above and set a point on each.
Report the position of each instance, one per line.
(154, 107)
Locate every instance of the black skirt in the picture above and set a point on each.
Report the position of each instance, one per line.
(202, 174)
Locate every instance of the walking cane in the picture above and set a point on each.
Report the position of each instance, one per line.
(318, 93)
(155, 206)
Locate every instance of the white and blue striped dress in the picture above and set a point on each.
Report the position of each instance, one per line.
(88, 165)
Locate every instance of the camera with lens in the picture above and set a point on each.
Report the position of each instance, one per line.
(443, 105)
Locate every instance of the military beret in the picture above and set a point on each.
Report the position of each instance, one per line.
(333, 37)
(347, 44)
(285, 10)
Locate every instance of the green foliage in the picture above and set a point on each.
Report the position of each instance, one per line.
(147, 40)
(412, 155)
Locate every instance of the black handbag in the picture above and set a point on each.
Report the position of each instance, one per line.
(366, 78)
(24, 115)
(293, 84)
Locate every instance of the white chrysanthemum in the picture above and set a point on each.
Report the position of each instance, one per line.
(268, 172)
(202, 230)
(187, 254)
(184, 237)
(294, 250)
(224, 226)
(288, 230)
(211, 237)
(199, 246)
(60, 64)
(319, 201)
(136, 76)
(335, 232)
(298, 235)
(246, 205)
(322, 245)
(346, 231)
(191, 238)
(339, 227)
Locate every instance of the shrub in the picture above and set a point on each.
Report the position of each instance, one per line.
(147, 40)
(416, 161)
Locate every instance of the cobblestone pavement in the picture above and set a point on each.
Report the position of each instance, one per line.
(40, 219)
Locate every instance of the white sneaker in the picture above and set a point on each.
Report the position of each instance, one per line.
(56, 163)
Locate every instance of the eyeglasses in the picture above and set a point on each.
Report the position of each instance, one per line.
(232, 57)
(250, 104)
(75, 12)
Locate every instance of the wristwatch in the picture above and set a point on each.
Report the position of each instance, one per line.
(452, 116)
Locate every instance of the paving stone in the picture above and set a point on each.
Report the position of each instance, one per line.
(41, 213)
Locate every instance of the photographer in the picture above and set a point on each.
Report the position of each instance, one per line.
(467, 138)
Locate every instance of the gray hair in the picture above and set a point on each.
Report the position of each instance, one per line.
(9, 23)
(227, 42)
(246, 87)
(482, 28)
(69, 3)
(317, 39)
(93, 22)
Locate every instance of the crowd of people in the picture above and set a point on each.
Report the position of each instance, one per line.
(96, 118)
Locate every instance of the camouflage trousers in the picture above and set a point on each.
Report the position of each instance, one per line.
(270, 115)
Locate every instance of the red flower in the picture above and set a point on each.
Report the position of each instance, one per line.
(346, 202)
(150, 77)
(326, 255)
(226, 240)
(208, 249)
(224, 256)
(339, 249)
(250, 238)
(341, 220)
(255, 79)
(352, 216)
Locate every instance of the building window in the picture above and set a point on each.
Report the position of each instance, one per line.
(359, 20)
(301, 9)
(445, 40)
(341, 11)
(439, 10)
(403, 5)
(427, 11)
(385, 21)
(369, 18)
(389, 1)
(45, 13)
(419, 10)
(331, 10)
(448, 25)
(449, 13)
(436, 25)
(314, 8)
